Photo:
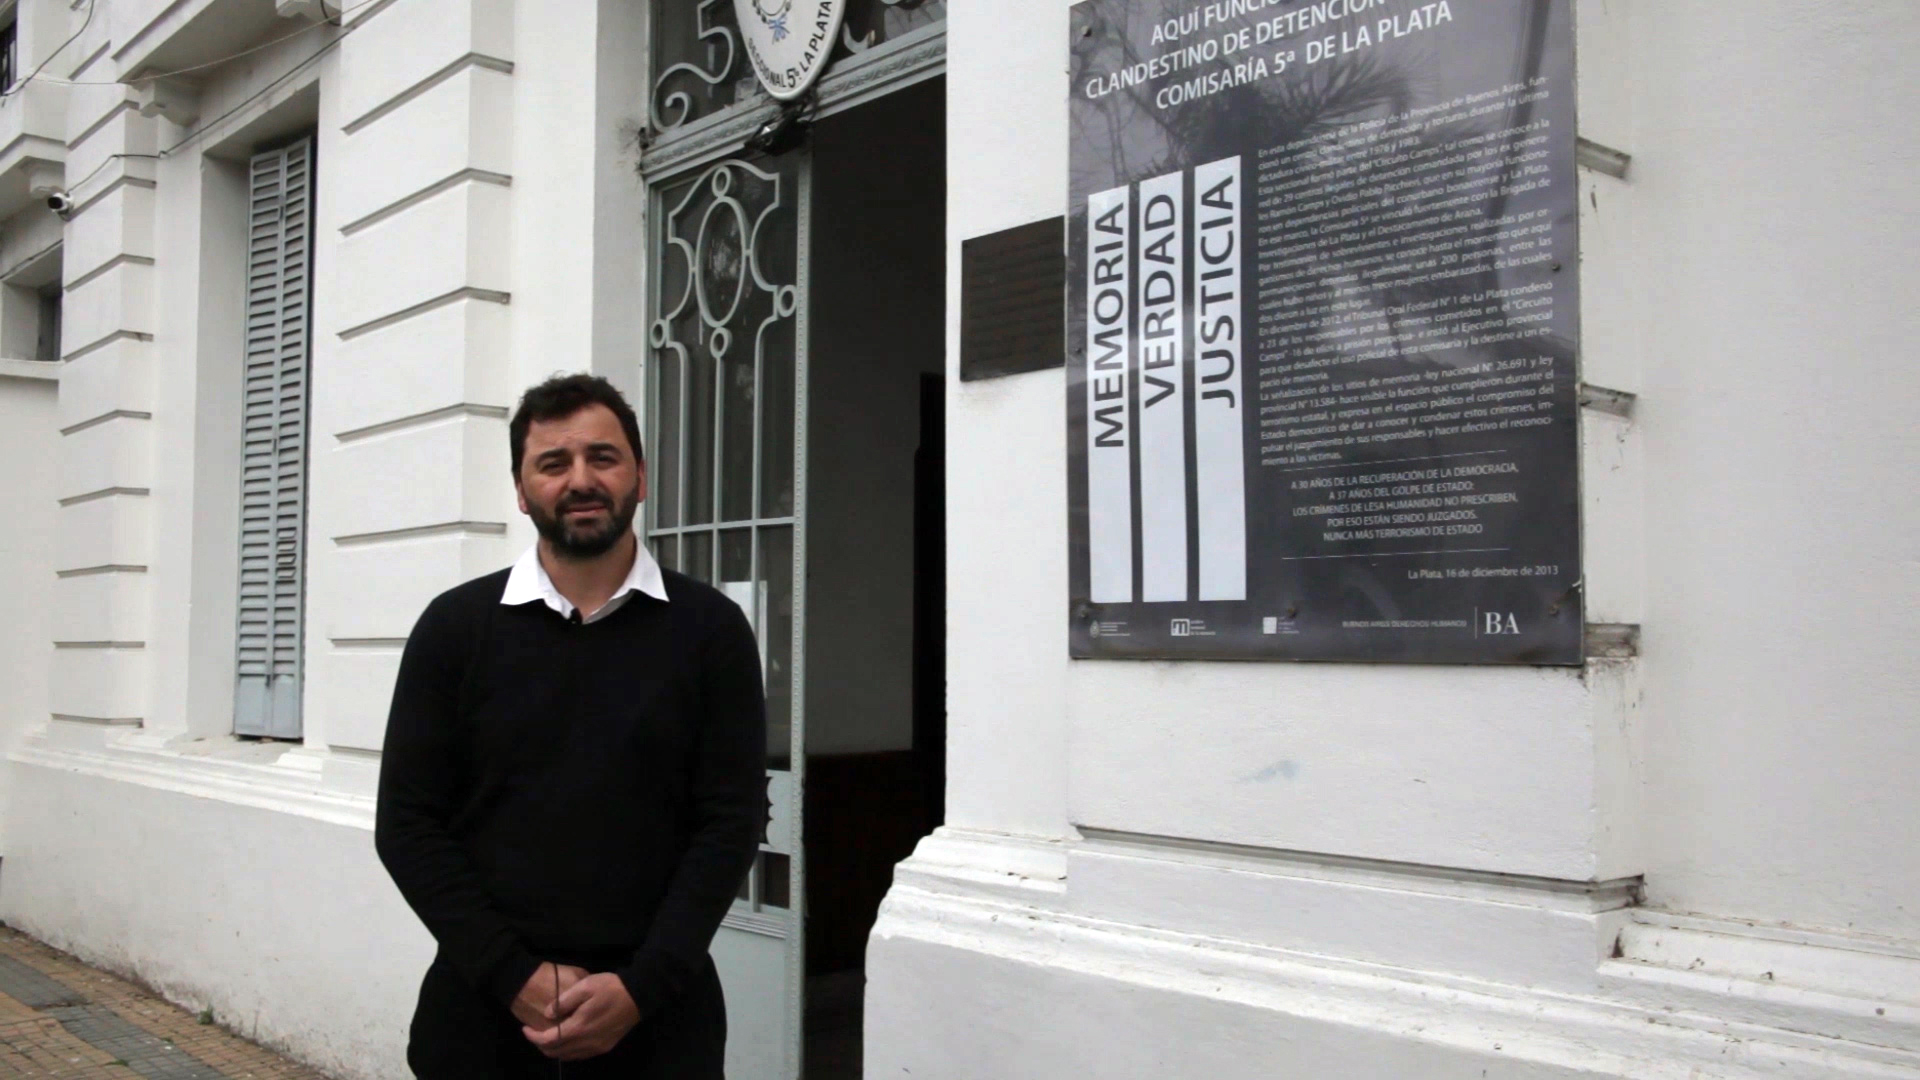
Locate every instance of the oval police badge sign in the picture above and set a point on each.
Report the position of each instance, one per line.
(789, 41)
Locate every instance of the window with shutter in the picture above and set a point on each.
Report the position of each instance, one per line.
(274, 466)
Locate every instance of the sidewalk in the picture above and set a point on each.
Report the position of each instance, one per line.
(59, 1017)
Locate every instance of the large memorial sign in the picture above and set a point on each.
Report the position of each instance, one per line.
(1322, 320)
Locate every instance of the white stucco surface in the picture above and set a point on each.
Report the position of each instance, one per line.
(1697, 861)
(1429, 825)
(1006, 663)
(27, 505)
(282, 924)
(477, 218)
(1781, 526)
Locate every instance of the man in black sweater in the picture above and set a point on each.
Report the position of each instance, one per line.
(573, 782)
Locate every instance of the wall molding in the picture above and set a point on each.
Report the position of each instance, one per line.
(294, 788)
(16, 265)
(378, 645)
(462, 411)
(421, 532)
(149, 28)
(1843, 985)
(38, 370)
(51, 149)
(110, 568)
(1553, 893)
(966, 892)
(407, 202)
(102, 342)
(91, 58)
(105, 268)
(94, 128)
(105, 417)
(121, 180)
(105, 493)
(468, 292)
(399, 100)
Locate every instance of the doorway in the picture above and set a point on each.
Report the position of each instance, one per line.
(795, 404)
(875, 705)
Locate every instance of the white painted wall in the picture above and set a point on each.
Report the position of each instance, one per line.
(268, 911)
(476, 230)
(106, 524)
(27, 434)
(1150, 869)
(43, 24)
(1007, 676)
(1781, 682)
(1257, 870)
(414, 339)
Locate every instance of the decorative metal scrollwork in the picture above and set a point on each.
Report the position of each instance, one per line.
(722, 262)
(679, 102)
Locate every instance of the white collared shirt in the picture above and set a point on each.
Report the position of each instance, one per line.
(528, 581)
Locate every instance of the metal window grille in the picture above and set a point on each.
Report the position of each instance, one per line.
(274, 456)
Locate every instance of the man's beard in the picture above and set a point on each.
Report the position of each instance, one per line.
(584, 540)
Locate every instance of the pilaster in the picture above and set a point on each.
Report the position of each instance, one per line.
(408, 494)
(107, 470)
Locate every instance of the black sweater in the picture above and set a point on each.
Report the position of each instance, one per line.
(549, 787)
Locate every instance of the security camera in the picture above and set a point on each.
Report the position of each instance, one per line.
(60, 203)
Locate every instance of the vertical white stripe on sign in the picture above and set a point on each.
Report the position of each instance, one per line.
(1109, 428)
(1220, 471)
(1163, 415)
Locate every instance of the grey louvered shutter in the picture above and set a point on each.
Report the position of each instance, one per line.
(273, 485)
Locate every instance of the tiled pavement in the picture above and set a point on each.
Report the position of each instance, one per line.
(60, 1018)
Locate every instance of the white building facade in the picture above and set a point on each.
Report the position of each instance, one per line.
(254, 384)
(440, 137)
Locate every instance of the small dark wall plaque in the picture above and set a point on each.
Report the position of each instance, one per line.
(1012, 296)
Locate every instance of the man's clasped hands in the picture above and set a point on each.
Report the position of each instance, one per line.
(571, 1015)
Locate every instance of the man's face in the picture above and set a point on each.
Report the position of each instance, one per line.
(580, 483)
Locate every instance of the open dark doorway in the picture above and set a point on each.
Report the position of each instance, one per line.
(876, 607)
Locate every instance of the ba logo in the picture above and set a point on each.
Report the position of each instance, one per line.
(1183, 628)
(1499, 623)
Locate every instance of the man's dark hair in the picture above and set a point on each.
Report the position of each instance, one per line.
(561, 397)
